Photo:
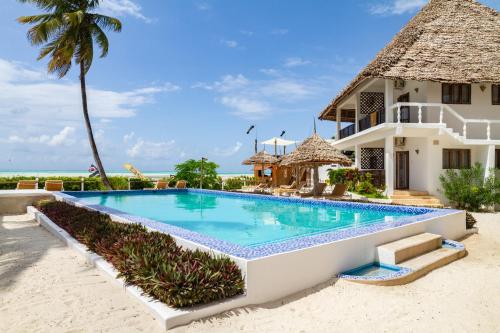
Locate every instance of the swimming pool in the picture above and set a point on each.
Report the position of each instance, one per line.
(282, 245)
(243, 220)
(225, 220)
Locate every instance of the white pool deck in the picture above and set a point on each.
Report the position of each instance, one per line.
(275, 276)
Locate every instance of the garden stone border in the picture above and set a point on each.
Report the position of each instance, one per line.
(167, 317)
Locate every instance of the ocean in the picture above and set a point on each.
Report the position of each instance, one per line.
(84, 173)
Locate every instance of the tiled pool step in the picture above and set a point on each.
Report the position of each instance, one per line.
(415, 267)
(396, 252)
(429, 261)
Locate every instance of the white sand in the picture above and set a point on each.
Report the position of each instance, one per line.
(45, 287)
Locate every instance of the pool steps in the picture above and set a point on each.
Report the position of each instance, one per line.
(407, 248)
(415, 198)
(417, 255)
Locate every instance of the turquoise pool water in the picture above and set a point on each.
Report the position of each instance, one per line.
(373, 270)
(243, 220)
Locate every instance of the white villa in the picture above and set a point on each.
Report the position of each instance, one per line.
(429, 101)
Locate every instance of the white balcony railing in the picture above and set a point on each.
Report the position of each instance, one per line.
(444, 110)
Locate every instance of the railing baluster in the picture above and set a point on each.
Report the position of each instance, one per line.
(488, 131)
(465, 130)
(399, 113)
(441, 115)
(420, 113)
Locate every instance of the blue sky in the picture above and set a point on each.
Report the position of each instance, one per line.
(185, 79)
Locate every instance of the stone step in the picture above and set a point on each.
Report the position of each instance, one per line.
(429, 261)
(410, 192)
(434, 201)
(406, 248)
(400, 196)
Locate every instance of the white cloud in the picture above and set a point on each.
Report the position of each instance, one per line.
(245, 107)
(123, 8)
(280, 31)
(229, 151)
(287, 88)
(128, 137)
(270, 71)
(295, 61)
(31, 95)
(64, 137)
(229, 43)
(149, 149)
(255, 99)
(397, 7)
(227, 83)
(247, 33)
(203, 6)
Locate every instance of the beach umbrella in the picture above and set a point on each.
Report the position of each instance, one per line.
(314, 152)
(278, 142)
(261, 158)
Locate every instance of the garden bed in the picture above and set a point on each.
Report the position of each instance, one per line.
(149, 260)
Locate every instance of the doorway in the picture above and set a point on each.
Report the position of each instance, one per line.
(405, 110)
(402, 170)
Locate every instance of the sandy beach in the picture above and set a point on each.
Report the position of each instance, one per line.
(45, 287)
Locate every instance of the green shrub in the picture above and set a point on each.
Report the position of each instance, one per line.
(468, 189)
(236, 183)
(74, 183)
(150, 260)
(356, 182)
(190, 171)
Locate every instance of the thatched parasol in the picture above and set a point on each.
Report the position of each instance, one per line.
(313, 152)
(262, 158)
(450, 41)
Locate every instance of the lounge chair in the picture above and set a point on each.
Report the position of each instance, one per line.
(289, 189)
(181, 184)
(338, 191)
(321, 188)
(54, 185)
(159, 185)
(27, 185)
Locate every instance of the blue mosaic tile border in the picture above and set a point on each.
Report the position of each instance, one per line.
(401, 271)
(268, 249)
(453, 244)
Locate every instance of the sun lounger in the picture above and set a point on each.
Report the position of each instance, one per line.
(159, 185)
(338, 191)
(27, 185)
(291, 190)
(54, 185)
(181, 184)
(289, 187)
(321, 189)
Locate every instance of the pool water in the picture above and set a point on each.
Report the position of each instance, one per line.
(244, 220)
(373, 270)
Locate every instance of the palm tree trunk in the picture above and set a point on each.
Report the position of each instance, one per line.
(93, 146)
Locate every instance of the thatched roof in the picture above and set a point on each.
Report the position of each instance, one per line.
(261, 157)
(452, 41)
(315, 151)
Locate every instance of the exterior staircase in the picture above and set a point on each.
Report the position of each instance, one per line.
(421, 253)
(415, 198)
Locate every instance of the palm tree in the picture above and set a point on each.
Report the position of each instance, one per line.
(67, 31)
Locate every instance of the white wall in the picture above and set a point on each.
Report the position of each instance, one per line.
(480, 108)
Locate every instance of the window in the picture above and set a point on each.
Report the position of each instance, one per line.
(456, 93)
(456, 158)
(495, 94)
(497, 158)
(372, 158)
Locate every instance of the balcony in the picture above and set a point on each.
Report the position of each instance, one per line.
(441, 116)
